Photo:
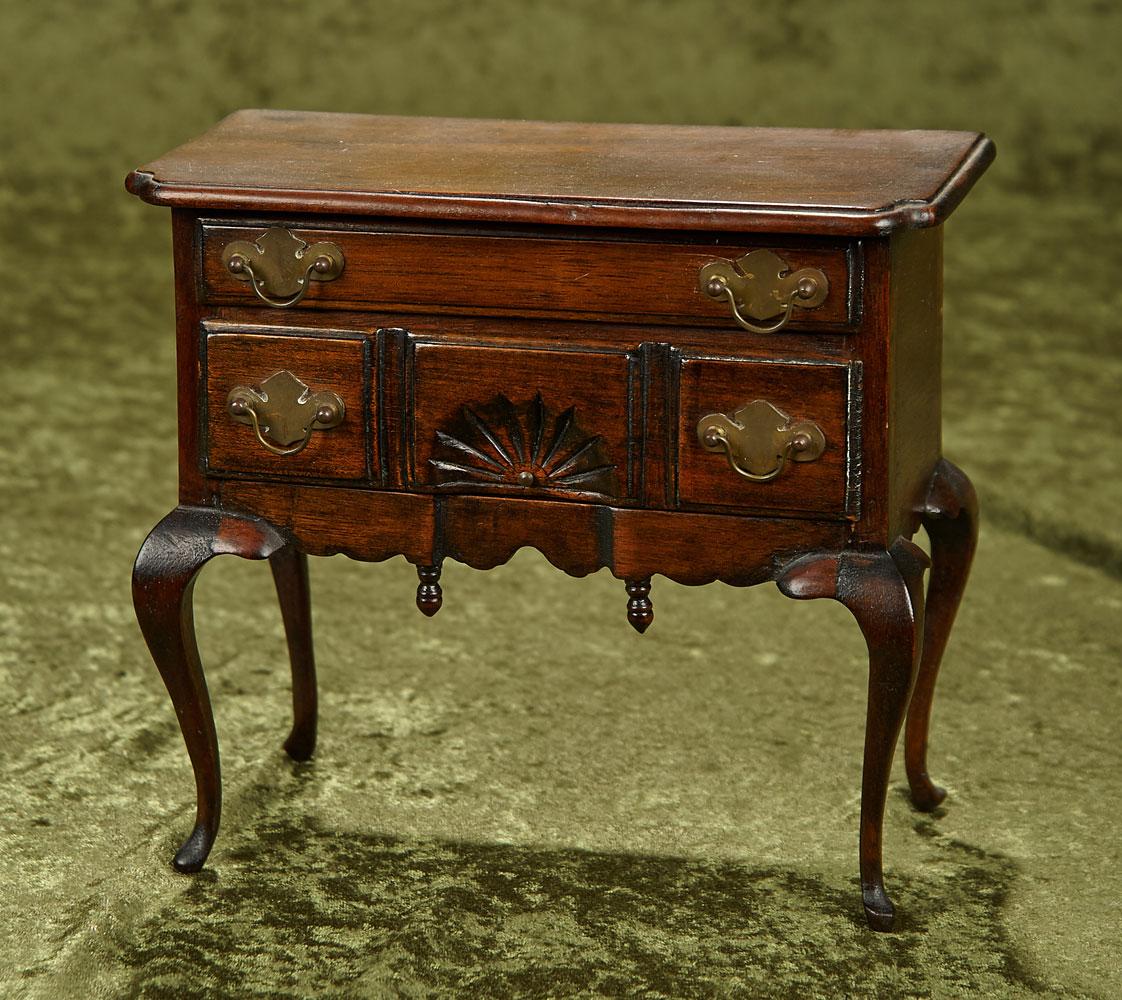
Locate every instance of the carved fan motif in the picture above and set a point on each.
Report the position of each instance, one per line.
(504, 444)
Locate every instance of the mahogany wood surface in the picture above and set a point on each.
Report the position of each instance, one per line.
(323, 361)
(193, 488)
(696, 549)
(950, 517)
(578, 538)
(449, 272)
(163, 583)
(371, 526)
(547, 416)
(884, 592)
(695, 177)
(570, 331)
(290, 575)
(815, 392)
(430, 596)
(914, 441)
(640, 610)
(524, 356)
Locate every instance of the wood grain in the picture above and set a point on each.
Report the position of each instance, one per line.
(188, 348)
(696, 549)
(533, 277)
(914, 385)
(503, 274)
(599, 387)
(579, 539)
(884, 592)
(332, 362)
(163, 584)
(950, 517)
(814, 392)
(371, 526)
(690, 177)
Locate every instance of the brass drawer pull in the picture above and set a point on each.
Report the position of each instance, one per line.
(758, 439)
(286, 410)
(280, 266)
(761, 285)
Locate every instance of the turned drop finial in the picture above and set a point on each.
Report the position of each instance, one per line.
(640, 611)
(429, 595)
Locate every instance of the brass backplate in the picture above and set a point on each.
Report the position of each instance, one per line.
(281, 263)
(283, 410)
(763, 284)
(758, 439)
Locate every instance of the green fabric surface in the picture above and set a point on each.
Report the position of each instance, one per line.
(521, 797)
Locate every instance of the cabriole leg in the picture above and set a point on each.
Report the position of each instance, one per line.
(884, 592)
(290, 574)
(950, 516)
(163, 582)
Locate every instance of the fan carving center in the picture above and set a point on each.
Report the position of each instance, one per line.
(503, 444)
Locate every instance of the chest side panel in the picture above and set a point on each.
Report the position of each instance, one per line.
(914, 374)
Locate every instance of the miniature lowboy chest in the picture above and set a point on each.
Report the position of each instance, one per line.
(710, 353)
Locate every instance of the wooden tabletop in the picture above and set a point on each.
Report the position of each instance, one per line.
(565, 173)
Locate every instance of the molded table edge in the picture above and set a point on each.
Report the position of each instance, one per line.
(734, 217)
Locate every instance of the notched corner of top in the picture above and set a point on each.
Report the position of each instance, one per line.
(905, 214)
(143, 184)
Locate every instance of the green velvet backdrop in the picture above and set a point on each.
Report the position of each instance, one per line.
(564, 809)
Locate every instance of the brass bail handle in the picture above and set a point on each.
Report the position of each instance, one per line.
(286, 410)
(759, 439)
(239, 265)
(280, 266)
(760, 285)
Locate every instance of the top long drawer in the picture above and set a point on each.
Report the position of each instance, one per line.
(584, 277)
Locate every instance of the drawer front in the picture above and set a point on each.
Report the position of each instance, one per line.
(286, 380)
(512, 275)
(527, 421)
(768, 436)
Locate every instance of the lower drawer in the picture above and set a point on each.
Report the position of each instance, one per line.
(767, 436)
(291, 404)
(526, 420)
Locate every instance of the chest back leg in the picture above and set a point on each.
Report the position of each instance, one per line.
(290, 574)
(950, 517)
